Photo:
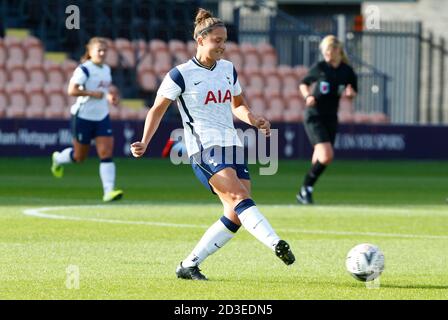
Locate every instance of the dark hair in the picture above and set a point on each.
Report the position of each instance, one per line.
(205, 22)
(91, 42)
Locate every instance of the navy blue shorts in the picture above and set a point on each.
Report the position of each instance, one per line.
(214, 159)
(86, 130)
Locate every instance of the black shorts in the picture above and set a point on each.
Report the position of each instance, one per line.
(321, 129)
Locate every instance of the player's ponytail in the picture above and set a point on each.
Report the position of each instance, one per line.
(92, 41)
(205, 22)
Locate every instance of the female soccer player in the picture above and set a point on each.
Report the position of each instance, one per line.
(207, 92)
(90, 117)
(331, 77)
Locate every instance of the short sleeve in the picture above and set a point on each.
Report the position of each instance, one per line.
(236, 84)
(79, 77)
(172, 85)
(312, 75)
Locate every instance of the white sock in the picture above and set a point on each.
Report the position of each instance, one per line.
(64, 156)
(107, 174)
(213, 239)
(254, 222)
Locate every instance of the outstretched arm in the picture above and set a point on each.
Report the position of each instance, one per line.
(152, 122)
(242, 112)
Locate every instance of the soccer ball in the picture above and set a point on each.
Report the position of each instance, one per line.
(365, 262)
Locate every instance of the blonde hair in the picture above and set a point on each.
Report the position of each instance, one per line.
(89, 45)
(205, 22)
(331, 41)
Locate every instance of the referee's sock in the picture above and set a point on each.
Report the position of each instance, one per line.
(311, 177)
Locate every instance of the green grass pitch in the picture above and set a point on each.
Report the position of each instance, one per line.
(130, 249)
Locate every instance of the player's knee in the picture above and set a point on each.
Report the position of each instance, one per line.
(238, 196)
(104, 154)
(326, 159)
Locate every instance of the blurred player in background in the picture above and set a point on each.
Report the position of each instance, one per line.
(207, 92)
(90, 117)
(329, 78)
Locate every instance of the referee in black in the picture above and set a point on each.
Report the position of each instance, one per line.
(322, 87)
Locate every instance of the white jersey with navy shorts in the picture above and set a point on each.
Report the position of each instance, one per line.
(90, 116)
(204, 97)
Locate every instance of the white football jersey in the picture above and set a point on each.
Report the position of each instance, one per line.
(204, 98)
(92, 78)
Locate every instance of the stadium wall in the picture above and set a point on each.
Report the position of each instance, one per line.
(25, 138)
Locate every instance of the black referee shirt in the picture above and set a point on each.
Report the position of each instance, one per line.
(330, 83)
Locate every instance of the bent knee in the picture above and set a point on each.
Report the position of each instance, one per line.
(105, 155)
(326, 160)
(325, 156)
(238, 196)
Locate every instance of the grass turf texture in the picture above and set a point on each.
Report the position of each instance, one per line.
(127, 253)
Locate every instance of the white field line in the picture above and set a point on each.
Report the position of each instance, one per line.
(39, 213)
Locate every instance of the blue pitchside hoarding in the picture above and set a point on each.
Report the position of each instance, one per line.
(26, 138)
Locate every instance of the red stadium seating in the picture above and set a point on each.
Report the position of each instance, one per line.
(269, 59)
(273, 81)
(36, 72)
(17, 100)
(157, 45)
(54, 71)
(3, 77)
(258, 105)
(36, 95)
(251, 59)
(33, 87)
(191, 48)
(255, 80)
(34, 49)
(140, 48)
(4, 102)
(175, 46)
(68, 67)
(253, 92)
(271, 93)
(145, 62)
(3, 53)
(112, 57)
(126, 52)
(265, 48)
(56, 94)
(147, 79)
(16, 72)
(15, 49)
